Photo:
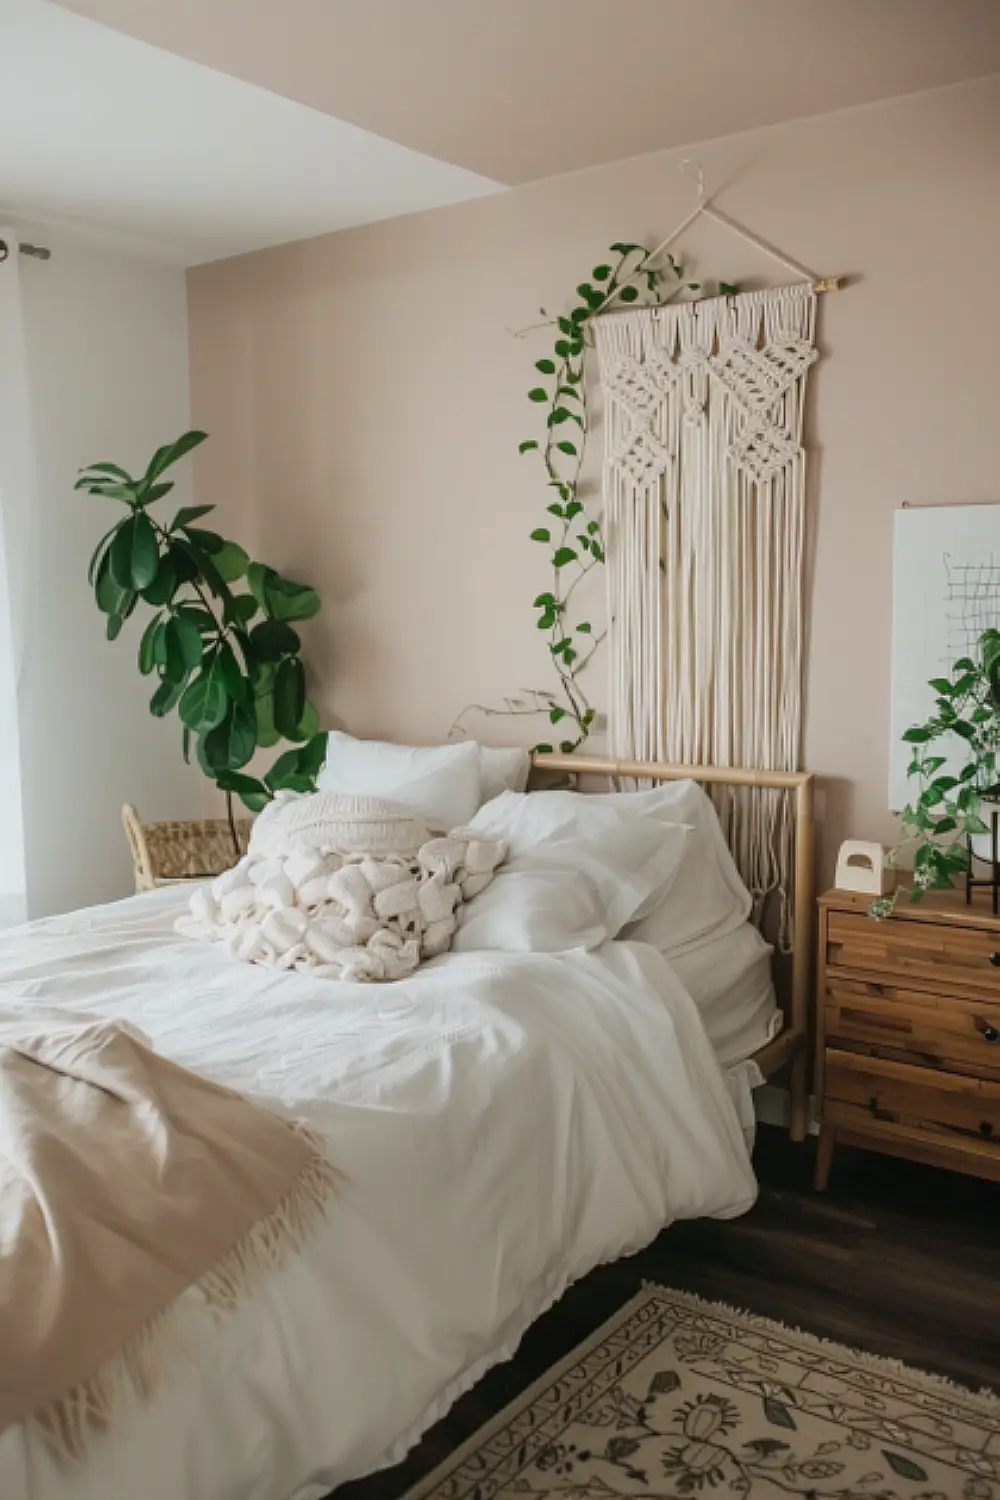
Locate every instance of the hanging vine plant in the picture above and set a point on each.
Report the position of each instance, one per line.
(573, 530)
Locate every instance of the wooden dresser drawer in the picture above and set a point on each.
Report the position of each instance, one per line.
(861, 1091)
(929, 1030)
(941, 956)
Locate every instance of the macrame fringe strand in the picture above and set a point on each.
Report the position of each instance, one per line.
(704, 486)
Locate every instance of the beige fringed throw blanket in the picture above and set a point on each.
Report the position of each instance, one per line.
(124, 1181)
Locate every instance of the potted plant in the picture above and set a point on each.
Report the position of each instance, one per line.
(220, 641)
(955, 791)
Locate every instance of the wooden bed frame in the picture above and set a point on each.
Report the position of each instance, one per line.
(791, 1047)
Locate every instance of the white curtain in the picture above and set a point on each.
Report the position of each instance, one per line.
(16, 491)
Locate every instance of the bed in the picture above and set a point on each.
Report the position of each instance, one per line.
(503, 1122)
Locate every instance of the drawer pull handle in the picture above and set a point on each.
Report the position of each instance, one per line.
(995, 960)
(986, 1128)
(991, 1034)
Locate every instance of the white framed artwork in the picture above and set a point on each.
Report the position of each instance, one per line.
(945, 593)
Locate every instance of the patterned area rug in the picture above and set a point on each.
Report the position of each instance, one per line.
(679, 1397)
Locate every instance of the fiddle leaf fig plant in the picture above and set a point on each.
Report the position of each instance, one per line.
(220, 642)
(947, 809)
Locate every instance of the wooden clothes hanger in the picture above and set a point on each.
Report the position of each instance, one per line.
(820, 284)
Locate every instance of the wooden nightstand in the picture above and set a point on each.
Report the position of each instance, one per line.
(908, 1032)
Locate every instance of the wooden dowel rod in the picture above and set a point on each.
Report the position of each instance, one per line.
(654, 770)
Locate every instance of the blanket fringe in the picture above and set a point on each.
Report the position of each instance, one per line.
(138, 1371)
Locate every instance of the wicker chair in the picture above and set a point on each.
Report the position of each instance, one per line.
(170, 853)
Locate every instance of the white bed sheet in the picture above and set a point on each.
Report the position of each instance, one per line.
(504, 1122)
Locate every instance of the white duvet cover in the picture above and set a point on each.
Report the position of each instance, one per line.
(504, 1122)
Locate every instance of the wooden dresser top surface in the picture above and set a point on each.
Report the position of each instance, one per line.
(936, 906)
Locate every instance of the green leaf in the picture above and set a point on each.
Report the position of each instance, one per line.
(573, 509)
(114, 470)
(189, 513)
(232, 743)
(206, 541)
(538, 393)
(243, 607)
(204, 702)
(313, 753)
(98, 552)
(111, 598)
(585, 290)
(267, 732)
(555, 714)
(183, 642)
(134, 554)
(941, 685)
(728, 289)
(147, 659)
(567, 747)
(563, 556)
(601, 273)
(945, 825)
(273, 639)
(164, 698)
(164, 584)
(628, 294)
(543, 749)
(544, 599)
(114, 627)
(287, 600)
(527, 447)
(171, 452)
(965, 730)
(558, 416)
(236, 685)
(251, 792)
(541, 535)
(547, 366)
(289, 696)
(555, 510)
(546, 620)
(567, 447)
(585, 627)
(622, 248)
(917, 736)
(231, 561)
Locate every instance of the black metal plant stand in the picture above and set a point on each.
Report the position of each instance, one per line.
(993, 880)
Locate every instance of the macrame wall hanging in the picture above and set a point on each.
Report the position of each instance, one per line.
(704, 496)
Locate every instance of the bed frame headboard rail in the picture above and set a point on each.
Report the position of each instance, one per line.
(794, 1040)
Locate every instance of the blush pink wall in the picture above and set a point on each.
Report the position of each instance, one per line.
(365, 399)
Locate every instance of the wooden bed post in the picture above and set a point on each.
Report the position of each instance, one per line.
(802, 957)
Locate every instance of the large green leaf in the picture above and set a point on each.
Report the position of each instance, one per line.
(189, 513)
(165, 697)
(114, 471)
(267, 731)
(307, 726)
(164, 585)
(184, 642)
(242, 608)
(147, 646)
(98, 552)
(206, 541)
(237, 686)
(313, 754)
(273, 639)
(253, 793)
(111, 597)
(257, 579)
(135, 555)
(290, 601)
(289, 696)
(232, 743)
(231, 561)
(205, 701)
(171, 452)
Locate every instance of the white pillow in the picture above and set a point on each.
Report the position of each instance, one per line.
(576, 872)
(707, 899)
(440, 786)
(503, 771)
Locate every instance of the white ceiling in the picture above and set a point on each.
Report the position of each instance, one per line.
(174, 159)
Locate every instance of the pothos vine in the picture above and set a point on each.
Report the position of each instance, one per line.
(574, 533)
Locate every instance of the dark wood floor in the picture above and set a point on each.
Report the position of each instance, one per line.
(895, 1258)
